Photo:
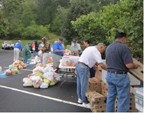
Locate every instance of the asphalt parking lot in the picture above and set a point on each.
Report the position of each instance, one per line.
(16, 98)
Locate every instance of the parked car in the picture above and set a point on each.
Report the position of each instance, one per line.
(7, 45)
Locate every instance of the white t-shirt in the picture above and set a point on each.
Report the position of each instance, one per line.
(90, 56)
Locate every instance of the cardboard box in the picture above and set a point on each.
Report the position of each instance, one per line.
(97, 101)
(97, 94)
(138, 73)
(95, 85)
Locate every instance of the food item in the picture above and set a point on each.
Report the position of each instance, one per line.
(13, 72)
(20, 67)
(68, 63)
(52, 83)
(8, 72)
(16, 70)
(47, 81)
(27, 82)
(44, 85)
(37, 84)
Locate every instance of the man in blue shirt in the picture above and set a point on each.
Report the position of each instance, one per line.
(17, 50)
(119, 61)
(58, 52)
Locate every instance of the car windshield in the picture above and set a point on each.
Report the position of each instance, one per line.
(9, 42)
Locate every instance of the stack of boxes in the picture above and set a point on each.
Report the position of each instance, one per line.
(97, 94)
(97, 101)
(132, 102)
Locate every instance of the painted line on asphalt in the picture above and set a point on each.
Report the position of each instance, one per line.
(42, 96)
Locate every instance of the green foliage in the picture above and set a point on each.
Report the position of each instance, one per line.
(89, 27)
(77, 8)
(47, 9)
(35, 32)
(96, 20)
(125, 16)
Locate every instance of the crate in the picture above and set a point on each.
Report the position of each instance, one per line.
(104, 87)
(132, 102)
(97, 94)
(138, 93)
(95, 85)
(97, 101)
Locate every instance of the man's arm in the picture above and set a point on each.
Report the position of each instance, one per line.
(59, 50)
(127, 58)
(132, 65)
(103, 66)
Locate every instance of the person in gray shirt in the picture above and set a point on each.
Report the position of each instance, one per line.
(119, 61)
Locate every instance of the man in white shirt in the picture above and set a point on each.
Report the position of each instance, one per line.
(87, 60)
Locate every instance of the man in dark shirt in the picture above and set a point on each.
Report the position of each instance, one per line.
(119, 61)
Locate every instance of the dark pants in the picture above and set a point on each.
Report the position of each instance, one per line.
(92, 72)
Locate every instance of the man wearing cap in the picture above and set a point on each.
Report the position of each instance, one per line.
(118, 60)
(58, 52)
(87, 60)
(75, 48)
(17, 50)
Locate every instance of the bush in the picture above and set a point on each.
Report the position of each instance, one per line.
(35, 32)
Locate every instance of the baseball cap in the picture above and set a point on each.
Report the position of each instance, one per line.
(61, 39)
(74, 40)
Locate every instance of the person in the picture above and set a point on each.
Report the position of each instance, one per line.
(87, 60)
(26, 53)
(36, 47)
(58, 52)
(92, 70)
(86, 43)
(33, 48)
(40, 48)
(119, 61)
(75, 48)
(17, 50)
(45, 50)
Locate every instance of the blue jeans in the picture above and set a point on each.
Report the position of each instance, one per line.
(118, 85)
(82, 81)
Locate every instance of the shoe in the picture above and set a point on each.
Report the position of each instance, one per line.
(79, 101)
(86, 105)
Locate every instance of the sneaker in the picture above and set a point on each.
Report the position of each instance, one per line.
(79, 101)
(86, 105)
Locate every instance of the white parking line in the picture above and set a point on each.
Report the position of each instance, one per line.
(42, 96)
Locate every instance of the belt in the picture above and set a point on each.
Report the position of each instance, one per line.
(83, 64)
(118, 72)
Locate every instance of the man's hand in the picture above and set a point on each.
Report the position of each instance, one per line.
(136, 66)
(95, 66)
(63, 51)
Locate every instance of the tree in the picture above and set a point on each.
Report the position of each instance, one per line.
(89, 27)
(125, 16)
(77, 8)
